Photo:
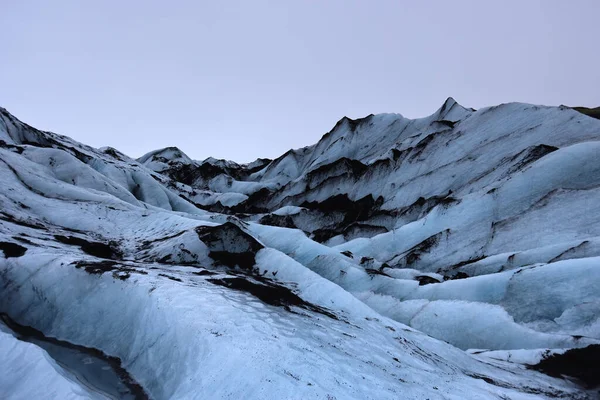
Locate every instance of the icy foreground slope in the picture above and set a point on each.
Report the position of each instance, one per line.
(297, 277)
(30, 373)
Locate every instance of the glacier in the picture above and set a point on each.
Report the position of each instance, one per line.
(442, 257)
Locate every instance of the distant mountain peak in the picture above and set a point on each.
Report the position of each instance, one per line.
(451, 110)
(162, 158)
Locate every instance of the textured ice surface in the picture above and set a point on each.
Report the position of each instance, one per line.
(358, 267)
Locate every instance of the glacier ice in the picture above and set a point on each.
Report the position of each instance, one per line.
(359, 267)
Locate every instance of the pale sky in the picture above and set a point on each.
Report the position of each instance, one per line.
(247, 79)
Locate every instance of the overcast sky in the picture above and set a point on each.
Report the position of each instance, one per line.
(247, 79)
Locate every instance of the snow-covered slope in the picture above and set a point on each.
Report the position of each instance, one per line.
(338, 270)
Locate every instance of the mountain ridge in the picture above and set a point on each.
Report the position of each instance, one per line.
(348, 268)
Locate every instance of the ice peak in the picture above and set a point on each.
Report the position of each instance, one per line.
(450, 110)
(171, 153)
